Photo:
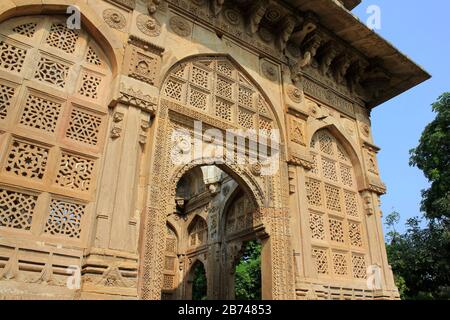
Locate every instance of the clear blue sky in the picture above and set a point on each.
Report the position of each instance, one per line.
(421, 30)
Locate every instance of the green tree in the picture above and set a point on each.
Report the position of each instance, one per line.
(199, 285)
(248, 273)
(420, 258)
(432, 156)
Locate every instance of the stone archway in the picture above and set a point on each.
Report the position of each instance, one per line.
(214, 215)
(239, 225)
(267, 192)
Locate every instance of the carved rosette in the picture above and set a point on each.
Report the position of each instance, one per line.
(365, 129)
(232, 16)
(294, 93)
(180, 26)
(269, 71)
(115, 19)
(149, 26)
(266, 35)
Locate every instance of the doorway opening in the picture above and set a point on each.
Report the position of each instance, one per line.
(199, 282)
(214, 217)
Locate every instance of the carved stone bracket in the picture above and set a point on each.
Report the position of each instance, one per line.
(287, 28)
(310, 22)
(217, 6)
(145, 45)
(152, 6)
(257, 12)
(379, 189)
(309, 51)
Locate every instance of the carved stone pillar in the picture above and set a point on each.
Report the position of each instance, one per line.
(116, 214)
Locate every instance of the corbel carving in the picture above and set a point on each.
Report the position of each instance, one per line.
(300, 161)
(11, 269)
(341, 65)
(257, 12)
(310, 48)
(145, 45)
(152, 6)
(287, 27)
(233, 255)
(329, 52)
(368, 203)
(112, 277)
(309, 24)
(217, 6)
(354, 75)
(379, 189)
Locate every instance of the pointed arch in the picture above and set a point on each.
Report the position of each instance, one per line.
(242, 176)
(56, 84)
(238, 214)
(337, 221)
(90, 20)
(198, 232)
(347, 144)
(192, 86)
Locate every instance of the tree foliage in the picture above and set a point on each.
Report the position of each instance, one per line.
(248, 273)
(199, 285)
(420, 258)
(432, 156)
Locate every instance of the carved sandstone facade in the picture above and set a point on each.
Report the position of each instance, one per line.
(86, 122)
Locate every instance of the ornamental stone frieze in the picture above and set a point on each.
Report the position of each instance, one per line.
(136, 98)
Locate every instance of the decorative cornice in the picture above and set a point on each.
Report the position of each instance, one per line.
(136, 98)
(370, 146)
(378, 189)
(208, 17)
(328, 96)
(300, 162)
(350, 64)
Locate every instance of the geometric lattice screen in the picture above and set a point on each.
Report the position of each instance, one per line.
(335, 215)
(52, 126)
(215, 87)
(170, 264)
